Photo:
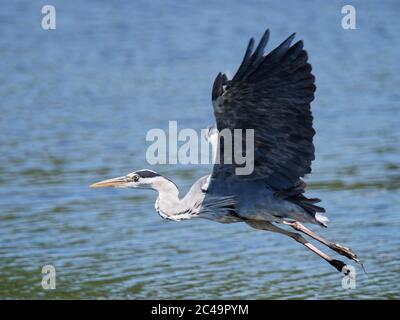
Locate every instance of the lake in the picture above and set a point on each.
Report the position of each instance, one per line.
(77, 102)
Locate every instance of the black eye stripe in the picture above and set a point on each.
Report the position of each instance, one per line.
(147, 174)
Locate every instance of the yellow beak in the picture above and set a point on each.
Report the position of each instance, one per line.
(115, 182)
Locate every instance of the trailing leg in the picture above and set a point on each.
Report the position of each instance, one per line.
(268, 226)
(347, 252)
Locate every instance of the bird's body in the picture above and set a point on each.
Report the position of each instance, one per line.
(270, 94)
(252, 201)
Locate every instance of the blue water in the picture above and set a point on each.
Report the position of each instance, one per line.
(77, 102)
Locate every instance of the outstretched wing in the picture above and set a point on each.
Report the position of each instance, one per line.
(270, 94)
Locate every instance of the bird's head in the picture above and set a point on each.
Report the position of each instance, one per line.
(145, 179)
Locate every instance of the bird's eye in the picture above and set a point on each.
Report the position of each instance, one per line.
(135, 178)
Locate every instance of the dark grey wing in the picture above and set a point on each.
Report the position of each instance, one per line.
(270, 94)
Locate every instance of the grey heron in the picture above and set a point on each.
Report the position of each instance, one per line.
(270, 93)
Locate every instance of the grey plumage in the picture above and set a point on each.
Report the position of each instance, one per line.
(270, 94)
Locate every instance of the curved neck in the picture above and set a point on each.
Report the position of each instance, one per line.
(166, 188)
(168, 202)
(170, 206)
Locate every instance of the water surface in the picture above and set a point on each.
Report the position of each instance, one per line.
(77, 102)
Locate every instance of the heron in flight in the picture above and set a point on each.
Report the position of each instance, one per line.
(270, 93)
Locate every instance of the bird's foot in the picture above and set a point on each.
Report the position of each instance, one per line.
(341, 267)
(347, 252)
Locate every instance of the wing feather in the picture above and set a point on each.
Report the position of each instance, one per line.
(270, 94)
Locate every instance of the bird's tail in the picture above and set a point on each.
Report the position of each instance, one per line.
(295, 194)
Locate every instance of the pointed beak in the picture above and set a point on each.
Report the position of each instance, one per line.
(115, 182)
